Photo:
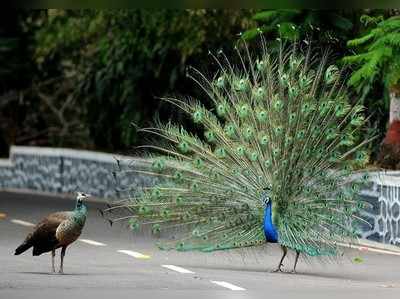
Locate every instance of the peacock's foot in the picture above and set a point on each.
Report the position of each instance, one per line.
(279, 269)
(61, 271)
(293, 272)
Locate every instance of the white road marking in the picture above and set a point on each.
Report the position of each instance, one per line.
(178, 269)
(135, 254)
(22, 222)
(91, 242)
(228, 285)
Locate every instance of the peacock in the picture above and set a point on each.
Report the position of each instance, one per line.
(274, 161)
(57, 230)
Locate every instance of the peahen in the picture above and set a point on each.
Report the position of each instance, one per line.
(274, 164)
(57, 230)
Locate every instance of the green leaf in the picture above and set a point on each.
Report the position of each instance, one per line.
(361, 40)
(266, 16)
(289, 31)
(250, 34)
(358, 260)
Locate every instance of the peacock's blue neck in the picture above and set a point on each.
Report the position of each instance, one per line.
(271, 234)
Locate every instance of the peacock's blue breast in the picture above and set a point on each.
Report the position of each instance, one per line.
(271, 234)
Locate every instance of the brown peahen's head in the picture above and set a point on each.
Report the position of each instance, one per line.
(80, 197)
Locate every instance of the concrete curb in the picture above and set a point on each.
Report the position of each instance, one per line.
(371, 246)
(377, 245)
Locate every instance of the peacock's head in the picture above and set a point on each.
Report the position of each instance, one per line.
(80, 197)
(265, 195)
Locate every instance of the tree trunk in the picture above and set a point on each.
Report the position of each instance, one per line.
(389, 152)
(394, 94)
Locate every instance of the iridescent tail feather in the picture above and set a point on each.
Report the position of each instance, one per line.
(282, 120)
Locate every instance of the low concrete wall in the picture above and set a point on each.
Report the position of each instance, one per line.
(66, 171)
(384, 214)
(59, 170)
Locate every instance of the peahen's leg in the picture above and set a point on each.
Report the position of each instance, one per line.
(53, 254)
(62, 260)
(295, 261)
(279, 268)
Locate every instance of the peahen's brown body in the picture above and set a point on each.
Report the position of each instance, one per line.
(56, 230)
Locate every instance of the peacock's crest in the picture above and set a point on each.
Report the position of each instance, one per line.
(281, 120)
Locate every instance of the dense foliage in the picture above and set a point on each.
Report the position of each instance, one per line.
(374, 59)
(379, 58)
(329, 27)
(79, 78)
(98, 71)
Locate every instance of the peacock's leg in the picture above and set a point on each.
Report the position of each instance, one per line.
(279, 268)
(53, 254)
(62, 260)
(295, 261)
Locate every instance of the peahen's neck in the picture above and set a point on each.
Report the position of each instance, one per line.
(270, 231)
(80, 214)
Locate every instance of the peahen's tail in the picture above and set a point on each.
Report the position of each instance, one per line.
(22, 248)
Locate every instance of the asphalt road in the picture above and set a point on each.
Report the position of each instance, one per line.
(96, 270)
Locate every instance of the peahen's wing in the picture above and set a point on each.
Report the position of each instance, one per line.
(278, 120)
(43, 237)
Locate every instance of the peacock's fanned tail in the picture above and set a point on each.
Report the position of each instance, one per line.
(281, 120)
